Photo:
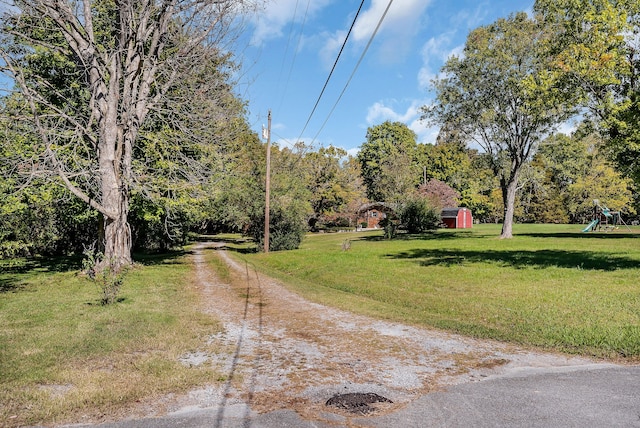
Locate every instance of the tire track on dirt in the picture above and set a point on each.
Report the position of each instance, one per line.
(280, 351)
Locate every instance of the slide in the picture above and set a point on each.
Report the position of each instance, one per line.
(590, 226)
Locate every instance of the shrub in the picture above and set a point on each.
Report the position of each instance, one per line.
(418, 216)
(287, 227)
(390, 226)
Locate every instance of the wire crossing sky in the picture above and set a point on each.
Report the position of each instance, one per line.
(353, 23)
(413, 39)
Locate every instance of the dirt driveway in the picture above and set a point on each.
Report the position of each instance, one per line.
(283, 352)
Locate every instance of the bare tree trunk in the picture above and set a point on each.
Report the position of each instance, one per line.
(117, 235)
(126, 72)
(509, 199)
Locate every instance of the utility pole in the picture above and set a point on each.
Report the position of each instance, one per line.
(267, 184)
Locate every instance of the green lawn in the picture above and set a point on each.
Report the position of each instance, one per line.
(550, 286)
(63, 355)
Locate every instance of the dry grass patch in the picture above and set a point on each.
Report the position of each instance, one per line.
(64, 358)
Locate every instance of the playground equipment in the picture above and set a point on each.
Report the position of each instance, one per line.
(604, 218)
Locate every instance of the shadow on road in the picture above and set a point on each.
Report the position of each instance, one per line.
(249, 292)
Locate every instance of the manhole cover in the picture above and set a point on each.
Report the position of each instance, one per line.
(357, 402)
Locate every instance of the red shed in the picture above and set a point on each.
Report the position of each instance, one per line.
(457, 218)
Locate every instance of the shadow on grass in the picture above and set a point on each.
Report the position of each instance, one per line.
(164, 258)
(252, 250)
(42, 264)
(581, 235)
(7, 285)
(236, 243)
(15, 271)
(428, 236)
(521, 259)
(233, 240)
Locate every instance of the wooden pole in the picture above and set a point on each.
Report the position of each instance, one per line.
(267, 187)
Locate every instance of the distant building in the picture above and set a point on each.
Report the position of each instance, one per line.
(372, 214)
(457, 218)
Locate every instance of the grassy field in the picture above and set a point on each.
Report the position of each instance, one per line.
(551, 286)
(66, 358)
(63, 356)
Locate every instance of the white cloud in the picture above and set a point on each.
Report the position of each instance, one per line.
(353, 152)
(403, 16)
(435, 53)
(277, 14)
(399, 27)
(329, 51)
(467, 19)
(380, 112)
(569, 127)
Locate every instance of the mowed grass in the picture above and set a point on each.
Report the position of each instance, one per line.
(66, 358)
(551, 286)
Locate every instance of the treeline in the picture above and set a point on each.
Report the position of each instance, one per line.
(322, 189)
(559, 184)
(114, 144)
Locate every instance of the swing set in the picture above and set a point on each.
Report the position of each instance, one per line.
(604, 219)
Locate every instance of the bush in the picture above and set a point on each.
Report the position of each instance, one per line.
(158, 226)
(390, 226)
(418, 216)
(287, 227)
(45, 221)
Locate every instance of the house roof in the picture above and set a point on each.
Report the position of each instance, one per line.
(380, 206)
(451, 212)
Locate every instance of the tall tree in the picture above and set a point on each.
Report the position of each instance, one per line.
(95, 78)
(500, 95)
(331, 184)
(387, 161)
(290, 206)
(596, 50)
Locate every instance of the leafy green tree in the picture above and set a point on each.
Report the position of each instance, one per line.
(333, 185)
(596, 50)
(388, 161)
(287, 225)
(560, 161)
(399, 177)
(449, 160)
(95, 82)
(44, 220)
(599, 180)
(541, 199)
(290, 208)
(356, 196)
(501, 95)
(481, 183)
(462, 168)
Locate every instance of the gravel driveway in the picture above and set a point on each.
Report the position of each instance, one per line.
(283, 352)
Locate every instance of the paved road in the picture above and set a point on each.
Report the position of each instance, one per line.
(584, 396)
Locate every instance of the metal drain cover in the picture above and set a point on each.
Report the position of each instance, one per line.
(357, 402)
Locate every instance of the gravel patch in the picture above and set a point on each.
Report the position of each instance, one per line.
(280, 351)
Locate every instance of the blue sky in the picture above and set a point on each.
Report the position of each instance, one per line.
(292, 45)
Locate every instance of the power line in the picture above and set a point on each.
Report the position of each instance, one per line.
(354, 70)
(295, 52)
(332, 69)
(286, 49)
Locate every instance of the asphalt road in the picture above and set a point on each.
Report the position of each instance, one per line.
(582, 396)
